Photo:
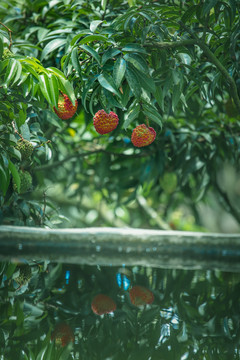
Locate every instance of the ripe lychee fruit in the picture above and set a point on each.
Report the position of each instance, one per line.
(139, 295)
(62, 334)
(66, 109)
(103, 304)
(25, 147)
(105, 123)
(143, 135)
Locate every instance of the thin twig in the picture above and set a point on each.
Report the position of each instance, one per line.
(10, 34)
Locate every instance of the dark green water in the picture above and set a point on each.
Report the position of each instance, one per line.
(194, 314)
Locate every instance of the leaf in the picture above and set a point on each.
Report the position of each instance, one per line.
(54, 89)
(107, 82)
(10, 72)
(176, 96)
(86, 90)
(207, 6)
(15, 174)
(137, 61)
(134, 48)
(145, 81)
(1, 46)
(95, 23)
(119, 71)
(152, 113)
(4, 180)
(75, 61)
(67, 88)
(109, 54)
(45, 87)
(91, 51)
(51, 46)
(131, 115)
(91, 38)
(133, 82)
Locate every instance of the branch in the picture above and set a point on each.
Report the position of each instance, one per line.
(224, 197)
(10, 34)
(209, 54)
(87, 153)
(117, 246)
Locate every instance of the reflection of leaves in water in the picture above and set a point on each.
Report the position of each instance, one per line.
(195, 314)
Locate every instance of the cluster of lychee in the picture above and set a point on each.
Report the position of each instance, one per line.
(104, 123)
(26, 149)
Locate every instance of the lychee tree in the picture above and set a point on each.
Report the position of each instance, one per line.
(173, 68)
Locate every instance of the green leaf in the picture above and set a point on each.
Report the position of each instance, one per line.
(152, 113)
(86, 90)
(119, 71)
(10, 72)
(94, 24)
(104, 4)
(109, 54)
(75, 60)
(1, 46)
(207, 6)
(21, 118)
(67, 88)
(145, 81)
(14, 173)
(158, 94)
(54, 89)
(91, 38)
(176, 96)
(134, 48)
(108, 83)
(133, 82)
(131, 115)
(4, 180)
(137, 61)
(91, 51)
(51, 46)
(45, 87)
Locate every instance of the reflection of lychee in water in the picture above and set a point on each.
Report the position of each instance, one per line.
(103, 304)
(139, 295)
(62, 334)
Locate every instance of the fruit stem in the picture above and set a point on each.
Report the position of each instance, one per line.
(10, 34)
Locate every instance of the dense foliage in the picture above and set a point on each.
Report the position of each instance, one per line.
(173, 66)
(194, 314)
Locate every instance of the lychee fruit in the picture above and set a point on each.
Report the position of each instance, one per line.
(105, 123)
(66, 109)
(139, 295)
(6, 54)
(143, 135)
(25, 147)
(25, 274)
(25, 182)
(62, 334)
(103, 304)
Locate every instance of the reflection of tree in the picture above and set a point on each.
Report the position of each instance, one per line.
(195, 314)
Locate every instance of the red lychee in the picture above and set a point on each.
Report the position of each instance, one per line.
(139, 295)
(62, 334)
(143, 135)
(105, 123)
(66, 109)
(103, 304)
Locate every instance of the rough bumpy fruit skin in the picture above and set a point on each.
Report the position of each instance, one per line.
(103, 304)
(62, 334)
(66, 109)
(105, 123)
(25, 148)
(25, 182)
(6, 54)
(24, 276)
(143, 135)
(139, 295)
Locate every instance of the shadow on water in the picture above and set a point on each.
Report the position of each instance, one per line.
(60, 311)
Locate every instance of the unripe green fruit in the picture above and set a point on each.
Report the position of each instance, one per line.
(169, 182)
(6, 54)
(25, 274)
(25, 148)
(25, 182)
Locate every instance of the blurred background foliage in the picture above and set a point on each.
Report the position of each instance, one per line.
(174, 65)
(194, 315)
